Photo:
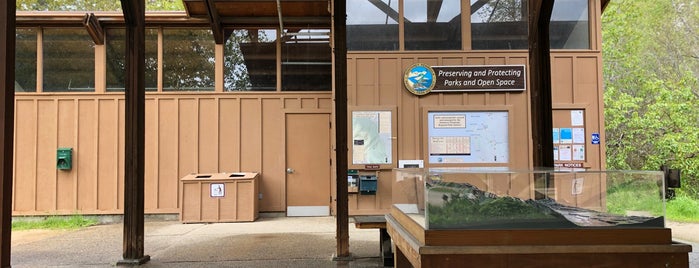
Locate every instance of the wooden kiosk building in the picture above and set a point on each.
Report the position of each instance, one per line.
(258, 86)
(260, 99)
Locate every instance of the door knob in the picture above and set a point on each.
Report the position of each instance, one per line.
(289, 170)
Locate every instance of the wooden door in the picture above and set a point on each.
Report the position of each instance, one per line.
(308, 164)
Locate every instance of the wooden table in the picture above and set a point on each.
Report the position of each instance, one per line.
(377, 222)
(417, 247)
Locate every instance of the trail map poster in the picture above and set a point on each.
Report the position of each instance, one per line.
(371, 137)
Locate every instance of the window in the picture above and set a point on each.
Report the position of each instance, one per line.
(25, 60)
(250, 61)
(570, 28)
(188, 60)
(432, 24)
(499, 24)
(372, 25)
(306, 60)
(69, 60)
(116, 59)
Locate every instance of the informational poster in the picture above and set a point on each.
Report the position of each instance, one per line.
(565, 153)
(578, 135)
(566, 135)
(371, 137)
(578, 152)
(468, 137)
(577, 118)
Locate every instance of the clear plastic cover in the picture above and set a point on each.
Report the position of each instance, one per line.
(500, 198)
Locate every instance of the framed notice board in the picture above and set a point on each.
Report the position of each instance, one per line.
(467, 137)
(372, 142)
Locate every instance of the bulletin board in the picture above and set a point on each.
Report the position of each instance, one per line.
(569, 137)
(467, 137)
(372, 133)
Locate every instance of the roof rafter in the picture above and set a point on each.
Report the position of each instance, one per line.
(215, 21)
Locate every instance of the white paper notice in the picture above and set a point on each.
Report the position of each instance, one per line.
(579, 152)
(555, 153)
(577, 186)
(576, 118)
(565, 153)
(578, 135)
(385, 122)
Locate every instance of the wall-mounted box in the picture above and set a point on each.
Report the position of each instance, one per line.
(368, 184)
(64, 158)
(219, 197)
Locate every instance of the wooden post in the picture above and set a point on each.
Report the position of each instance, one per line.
(134, 17)
(540, 84)
(7, 115)
(340, 53)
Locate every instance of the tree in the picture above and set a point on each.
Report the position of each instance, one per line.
(93, 5)
(652, 94)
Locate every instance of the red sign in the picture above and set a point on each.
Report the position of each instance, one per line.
(568, 165)
(372, 167)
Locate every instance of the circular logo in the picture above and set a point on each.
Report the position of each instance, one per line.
(419, 79)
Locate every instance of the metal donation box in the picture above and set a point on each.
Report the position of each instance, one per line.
(219, 197)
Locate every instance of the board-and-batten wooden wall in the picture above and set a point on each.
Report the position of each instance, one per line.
(224, 132)
(376, 79)
(185, 133)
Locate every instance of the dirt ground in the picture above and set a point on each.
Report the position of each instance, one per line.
(684, 231)
(29, 236)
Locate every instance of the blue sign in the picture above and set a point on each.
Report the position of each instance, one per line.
(595, 138)
(419, 79)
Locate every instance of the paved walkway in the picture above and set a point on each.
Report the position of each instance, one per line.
(267, 242)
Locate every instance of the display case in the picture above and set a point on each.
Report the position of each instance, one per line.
(500, 198)
(497, 217)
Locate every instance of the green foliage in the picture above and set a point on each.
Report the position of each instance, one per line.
(629, 194)
(93, 5)
(55, 223)
(683, 208)
(651, 99)
(458, 210)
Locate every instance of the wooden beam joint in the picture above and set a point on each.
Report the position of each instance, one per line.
(215, 21)
(94, 28)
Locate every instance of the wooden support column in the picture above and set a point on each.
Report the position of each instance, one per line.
(540, 82)
(7, 114)
(340, 53)
(134, 156)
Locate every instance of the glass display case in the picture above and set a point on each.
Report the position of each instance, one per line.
(500, 198)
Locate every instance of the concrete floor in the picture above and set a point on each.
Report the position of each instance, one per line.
(267, 242)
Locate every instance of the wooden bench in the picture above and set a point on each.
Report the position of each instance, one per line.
(377, 222)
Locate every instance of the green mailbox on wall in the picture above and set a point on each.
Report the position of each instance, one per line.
(64, 158)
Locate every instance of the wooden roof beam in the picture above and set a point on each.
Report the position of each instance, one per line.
(387, 9)
(604, 4)
(215, 21)
(94, 28)
(433, 8)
